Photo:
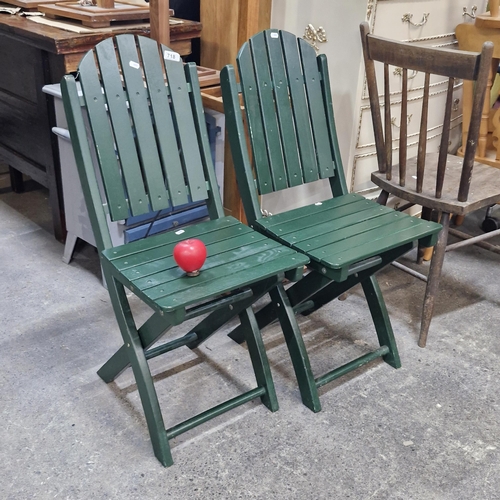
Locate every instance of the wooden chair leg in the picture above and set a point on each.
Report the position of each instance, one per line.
(296, 348)
(142, 374)
(424, 253)
(433, 279)
(381, 320)
(259, 359)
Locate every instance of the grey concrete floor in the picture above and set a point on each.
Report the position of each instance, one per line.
(429, 430)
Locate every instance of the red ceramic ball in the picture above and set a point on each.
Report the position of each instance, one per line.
(190, 255)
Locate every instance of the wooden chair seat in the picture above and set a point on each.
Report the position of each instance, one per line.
(340, 234)
(484, 186)
(237, 256)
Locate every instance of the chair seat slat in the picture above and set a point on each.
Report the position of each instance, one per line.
(214, 260)
(144, 269)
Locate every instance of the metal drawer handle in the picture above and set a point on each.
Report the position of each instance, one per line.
(456, 103)
(472, 13)
(315, 36)
(399, 72)
(407, 18)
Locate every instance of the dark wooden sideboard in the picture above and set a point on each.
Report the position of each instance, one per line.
(31, 56)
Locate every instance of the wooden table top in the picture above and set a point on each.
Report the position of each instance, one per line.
(59, 41)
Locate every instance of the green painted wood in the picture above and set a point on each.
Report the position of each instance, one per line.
(288, 136)
(379, 239)
(181, 106)
(271, 129)
(148, 268)
(85, 164)
(300, 107)
(337, 182)
(312, 79)
(164, 125)
(119, 115)
(138, 95)
(149, 248)
(324, 232)
(226, 277)
(340, 232)
(254, 120)
(319, 223)
(381, 320)
(214, 201)
(217, 256)
(103, 139)
(238, 140)
(298, 213)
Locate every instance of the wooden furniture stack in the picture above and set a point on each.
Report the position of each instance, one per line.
(470, 37)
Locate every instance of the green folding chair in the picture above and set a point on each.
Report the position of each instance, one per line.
(348, 239)
(149, 150)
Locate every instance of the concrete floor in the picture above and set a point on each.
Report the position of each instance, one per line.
(429, 430)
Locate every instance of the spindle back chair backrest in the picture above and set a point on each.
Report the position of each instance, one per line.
(406, 60)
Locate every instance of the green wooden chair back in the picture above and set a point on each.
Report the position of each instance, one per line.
(143, 106)
(289, 111)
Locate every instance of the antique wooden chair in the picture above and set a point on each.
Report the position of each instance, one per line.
(288, 109)
(437, 181)
(149, 149)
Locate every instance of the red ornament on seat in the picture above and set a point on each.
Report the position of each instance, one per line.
(190, 255)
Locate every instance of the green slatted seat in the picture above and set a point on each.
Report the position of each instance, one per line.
(288, 110)
(149, 150)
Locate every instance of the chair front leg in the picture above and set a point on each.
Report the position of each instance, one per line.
(433, 279)
(142, 374)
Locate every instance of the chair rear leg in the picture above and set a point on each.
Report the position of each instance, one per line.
(142, 374)
(296, 348)
(433, 279)
(259, 358)
(381, 320)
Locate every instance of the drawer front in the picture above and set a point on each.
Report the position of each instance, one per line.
(437, 100)
(410, 19)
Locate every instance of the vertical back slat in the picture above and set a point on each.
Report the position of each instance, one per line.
(103, 139)
(214, 201)
(445, 138)
(373, 95)
(300, 107)
(288, 134)
(388, 122)
(404, 128)
(165, 132)
(185, 128)
(475, 123)
(267, 105)
(254, 120)
(422, 139)
(143, 126)
(316, 109)
(120, 119)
